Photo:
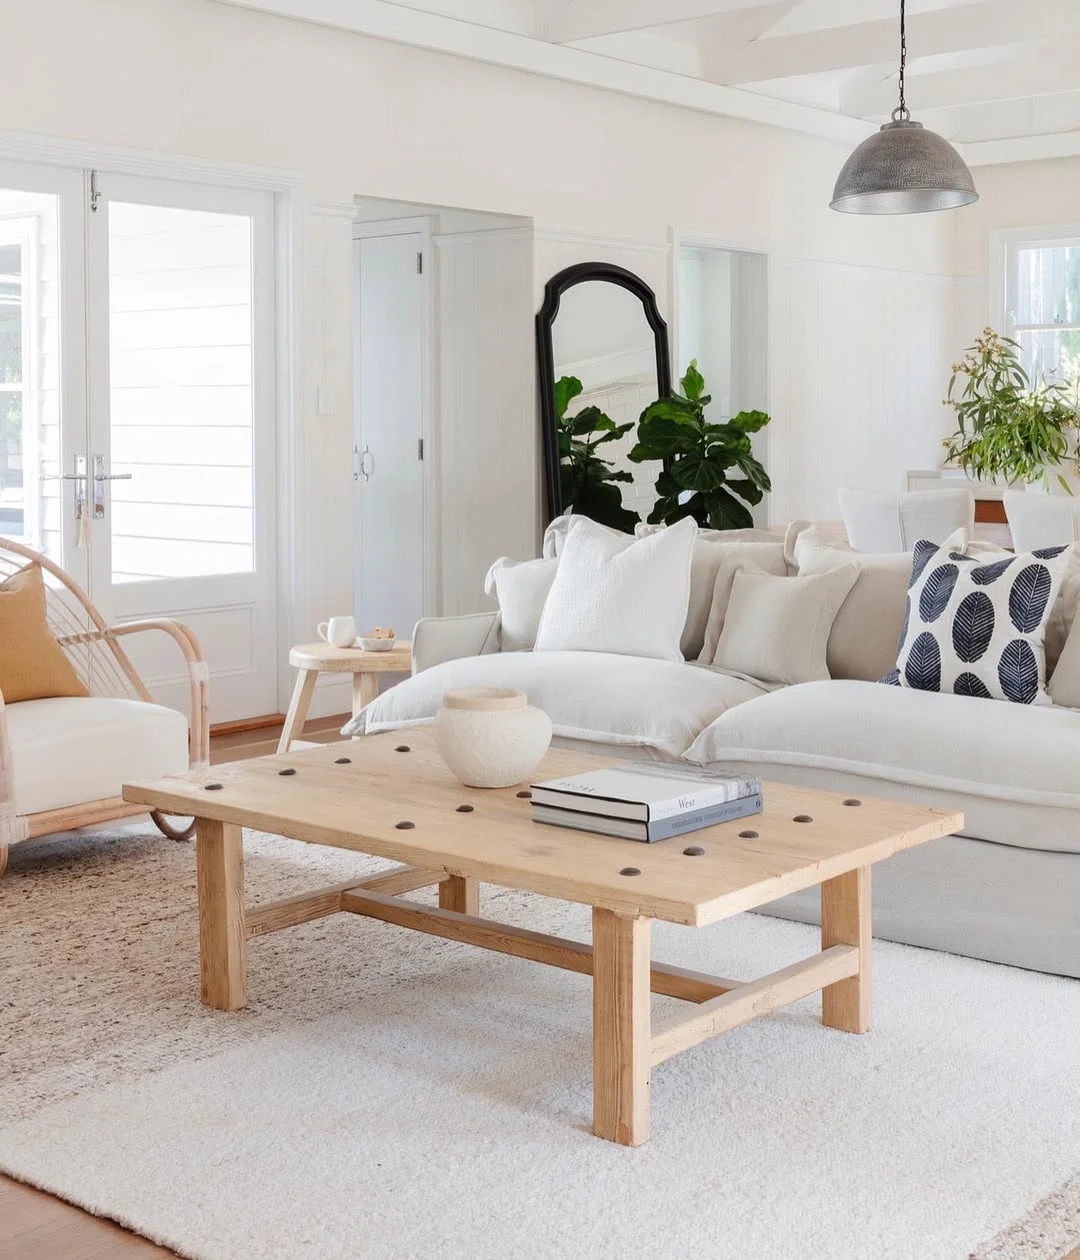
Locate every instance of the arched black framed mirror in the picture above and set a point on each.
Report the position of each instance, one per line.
(599, 326)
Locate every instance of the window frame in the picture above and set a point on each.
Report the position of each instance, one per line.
(1006, 247)
(23, 230)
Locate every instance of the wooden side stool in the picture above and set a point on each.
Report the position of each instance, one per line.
(313, 659)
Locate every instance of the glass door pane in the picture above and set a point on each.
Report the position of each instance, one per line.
(30, 446)
(180, 350)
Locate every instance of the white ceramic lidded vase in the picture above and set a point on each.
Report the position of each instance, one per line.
(491, 737)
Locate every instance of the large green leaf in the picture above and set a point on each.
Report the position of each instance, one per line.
(724, 511)
(697, 472)
(591, 420)
(693, 383)
(661, 437)
(567, 389)
(750, 421)
(753, 471)
(614, 433)
(603, 503)
(745, 490)
(673, 408)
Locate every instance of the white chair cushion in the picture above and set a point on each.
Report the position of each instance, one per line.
(596, 696)
(1010, 767)
(72, 750)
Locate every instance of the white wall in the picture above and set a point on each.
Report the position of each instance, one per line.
(858, 352)
(1015, 195)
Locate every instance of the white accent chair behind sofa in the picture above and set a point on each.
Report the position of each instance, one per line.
(879, 522)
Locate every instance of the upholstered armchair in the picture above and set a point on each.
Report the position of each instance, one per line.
(64, 760)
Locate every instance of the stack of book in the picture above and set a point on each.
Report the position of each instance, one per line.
(645, 802)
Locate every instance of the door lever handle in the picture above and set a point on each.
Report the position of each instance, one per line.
(100, 477)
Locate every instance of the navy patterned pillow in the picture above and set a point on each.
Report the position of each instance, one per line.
(979, 629)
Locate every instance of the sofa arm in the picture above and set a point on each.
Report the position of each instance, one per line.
(438, 639)
(198, 673)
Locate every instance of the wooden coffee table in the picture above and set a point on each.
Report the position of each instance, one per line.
(390, 795)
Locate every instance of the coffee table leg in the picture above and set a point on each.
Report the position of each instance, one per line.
(298, 708)
(460, 893)
(219, 857)
(845, 920)
(622, 1030)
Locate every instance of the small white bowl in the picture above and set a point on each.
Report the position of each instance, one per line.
(375, 645)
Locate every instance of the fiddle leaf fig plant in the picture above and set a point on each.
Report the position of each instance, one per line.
(1009, 426)
(699, 457)
(590, 485)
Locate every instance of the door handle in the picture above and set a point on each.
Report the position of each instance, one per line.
(367, 463)
(100, 478)
(79, 478)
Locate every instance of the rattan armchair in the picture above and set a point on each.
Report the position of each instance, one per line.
(94, 648)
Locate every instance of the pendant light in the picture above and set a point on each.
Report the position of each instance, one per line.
(903, 168)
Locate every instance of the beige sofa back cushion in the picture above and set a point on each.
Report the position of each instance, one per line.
(866, 632)
(777, 629)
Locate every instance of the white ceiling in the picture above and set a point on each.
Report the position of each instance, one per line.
(999, 77)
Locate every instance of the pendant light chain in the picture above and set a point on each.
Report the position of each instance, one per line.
(903, 112)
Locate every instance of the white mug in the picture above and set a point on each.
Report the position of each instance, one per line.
(340, 632)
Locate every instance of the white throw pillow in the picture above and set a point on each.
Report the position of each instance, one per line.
(976, 628)
(521, 587)
(777, 629)
(865, 634)
(614, 594)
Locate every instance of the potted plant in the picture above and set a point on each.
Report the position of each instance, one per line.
(1008, 426)
(698, 456)
(590, 485)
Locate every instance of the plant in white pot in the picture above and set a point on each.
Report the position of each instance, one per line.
(1010, 427)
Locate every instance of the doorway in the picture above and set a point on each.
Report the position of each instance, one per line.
(722, 323)
(137, 429)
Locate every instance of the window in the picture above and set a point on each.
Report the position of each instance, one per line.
(1043, 307)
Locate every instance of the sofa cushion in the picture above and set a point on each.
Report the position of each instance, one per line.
(866, 632)
(777, 629)
(979, 629)
(1011, 768)
(521, 587)
(613, 593)
(597, 696)
(70, 750)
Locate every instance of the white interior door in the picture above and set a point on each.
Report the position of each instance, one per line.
(389, 392)
(181, 450)
(42, 360)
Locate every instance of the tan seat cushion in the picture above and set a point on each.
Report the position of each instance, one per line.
(32, 663)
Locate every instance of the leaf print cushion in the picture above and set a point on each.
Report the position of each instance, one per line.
(979, 629)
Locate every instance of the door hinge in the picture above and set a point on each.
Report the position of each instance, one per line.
(419, 263)
(419, 448)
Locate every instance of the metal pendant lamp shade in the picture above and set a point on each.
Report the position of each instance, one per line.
(903, 168)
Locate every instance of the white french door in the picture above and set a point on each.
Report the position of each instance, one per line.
(181, 448)
(137, 411)
(43, 405)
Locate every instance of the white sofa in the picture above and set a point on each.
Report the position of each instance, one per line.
(1007, 890)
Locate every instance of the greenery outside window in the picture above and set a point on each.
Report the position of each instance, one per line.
(1042, 297)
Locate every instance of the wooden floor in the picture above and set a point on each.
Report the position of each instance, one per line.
(36, 1226)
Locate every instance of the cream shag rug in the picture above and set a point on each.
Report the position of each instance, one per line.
(393, 1095)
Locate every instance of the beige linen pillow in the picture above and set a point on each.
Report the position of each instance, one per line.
(721, 596)
(866, 632)
(777, 629)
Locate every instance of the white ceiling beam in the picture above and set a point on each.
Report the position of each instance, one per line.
(1004, 81)
(986, 24)
(566, 21)
(382, 20)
